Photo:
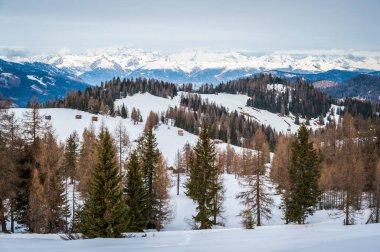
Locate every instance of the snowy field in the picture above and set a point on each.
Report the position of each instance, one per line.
(319, 237)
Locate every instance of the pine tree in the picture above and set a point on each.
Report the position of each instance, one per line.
(304, 174)
(104, 213)
(71, 156)
(70, 165)
(136, 196)
(124, 112)
(202, 186)
(149, 158)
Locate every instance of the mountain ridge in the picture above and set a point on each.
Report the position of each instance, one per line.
(199, 66)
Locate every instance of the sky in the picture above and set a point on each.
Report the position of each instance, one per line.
(46, 26)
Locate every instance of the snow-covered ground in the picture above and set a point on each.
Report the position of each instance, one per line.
(321, 237)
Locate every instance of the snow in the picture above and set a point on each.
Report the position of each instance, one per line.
(192, 60)
(147, 102)
(31, 77)
(276, 121)
(277, 87)
(37, 89)
(278, 238)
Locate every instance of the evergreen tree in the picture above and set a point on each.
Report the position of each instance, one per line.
(124, 112)
(149, 158)
(104, 213)
(202, 186)
(70, 165)
(304, 174)
(136, 196)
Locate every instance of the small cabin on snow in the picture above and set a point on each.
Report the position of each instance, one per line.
(94, 119)
(78, 117)
(180, 132)
(48, 117)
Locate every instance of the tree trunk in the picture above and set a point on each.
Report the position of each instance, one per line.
(12, 217)
(178, 181)
(258, 199)
(2, 217)
(73, 217)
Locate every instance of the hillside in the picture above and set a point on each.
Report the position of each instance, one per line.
(362, 86)
(21, 82)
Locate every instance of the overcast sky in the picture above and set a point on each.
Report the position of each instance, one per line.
(38, 26)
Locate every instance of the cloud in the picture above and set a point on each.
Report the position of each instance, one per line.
(64, 51)
(12, 53)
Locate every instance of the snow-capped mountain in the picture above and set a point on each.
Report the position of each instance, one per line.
(20, 82)
(199, 66)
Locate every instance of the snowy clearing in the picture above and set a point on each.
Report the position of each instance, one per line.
(275, 238)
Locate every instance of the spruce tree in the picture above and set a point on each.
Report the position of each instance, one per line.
(104, 213)
(136, 196)
(149, 158)
(202, 186)
(304, 173)
(124, 113)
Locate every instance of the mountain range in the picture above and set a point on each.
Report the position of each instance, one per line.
(22, 81)
(198, 66)
(48, 76)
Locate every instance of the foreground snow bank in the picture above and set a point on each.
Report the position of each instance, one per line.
(318, 237)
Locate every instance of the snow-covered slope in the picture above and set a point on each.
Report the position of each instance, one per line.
(311, 238)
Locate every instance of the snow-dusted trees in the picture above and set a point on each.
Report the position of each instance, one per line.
(256, 200)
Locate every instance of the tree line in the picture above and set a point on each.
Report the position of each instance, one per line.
(44, 183)
(230, 127)
(100, 99)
